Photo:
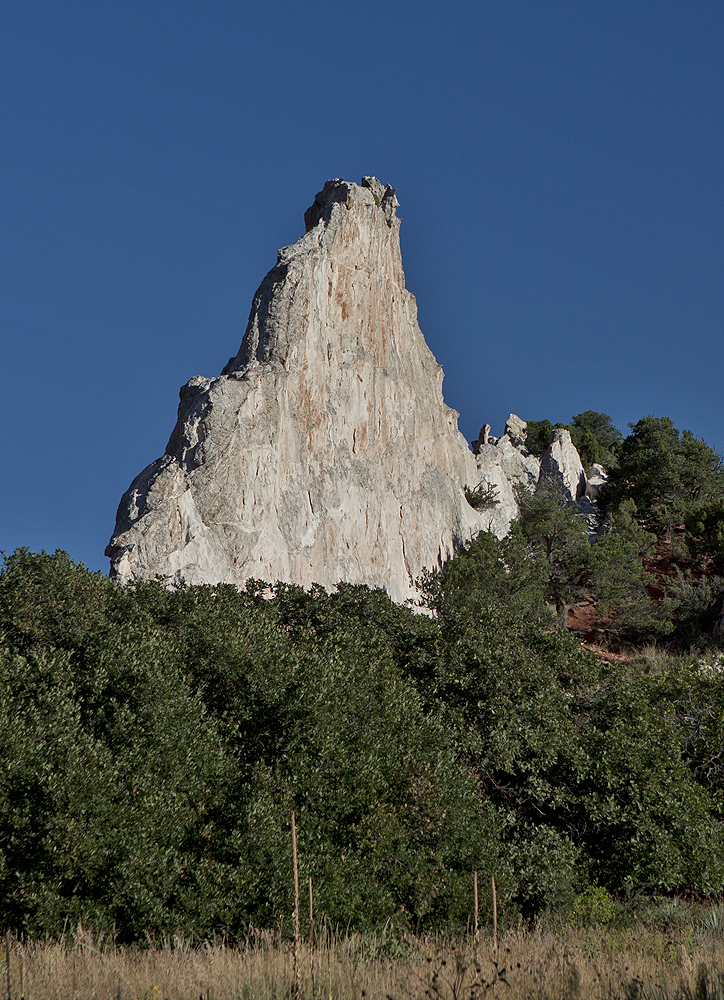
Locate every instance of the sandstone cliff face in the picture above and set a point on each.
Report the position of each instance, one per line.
(324, 452)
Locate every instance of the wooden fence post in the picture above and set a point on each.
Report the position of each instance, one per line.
(475, 903)
(7, 962)
(495, 918)
(296, 991)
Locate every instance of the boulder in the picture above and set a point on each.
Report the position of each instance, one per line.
(483, 437)
(595, 479)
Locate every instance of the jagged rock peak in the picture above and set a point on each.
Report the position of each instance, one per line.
(324, 452)
(561, 464)
(516, 429)
(505, 464)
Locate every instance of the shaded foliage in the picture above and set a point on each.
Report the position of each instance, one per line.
(620, 582)
(538, 435)
(154, 752)
(594, 435)
(596, 439)
(555, 536)
(666, 473)
(705, 534)
(153, 741)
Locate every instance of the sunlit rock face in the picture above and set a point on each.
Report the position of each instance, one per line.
(324, 452)
(505, 464)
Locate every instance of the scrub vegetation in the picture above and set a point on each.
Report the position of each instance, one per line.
(668, 962)
(154, 741)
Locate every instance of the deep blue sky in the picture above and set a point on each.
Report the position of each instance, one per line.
(559, 168)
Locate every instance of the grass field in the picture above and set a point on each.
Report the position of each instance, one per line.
(633, 963)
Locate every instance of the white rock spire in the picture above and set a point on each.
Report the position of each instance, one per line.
(324, 452)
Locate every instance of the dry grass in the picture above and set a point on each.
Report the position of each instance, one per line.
(601, 963)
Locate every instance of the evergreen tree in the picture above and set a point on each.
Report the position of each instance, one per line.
(595, 438)
(705, 534)
(553, 533)
(666, 473)
(619, 580)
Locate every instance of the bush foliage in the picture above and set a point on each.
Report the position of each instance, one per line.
(667, 474)
(153, 743)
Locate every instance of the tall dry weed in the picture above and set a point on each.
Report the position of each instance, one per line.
(600, 964)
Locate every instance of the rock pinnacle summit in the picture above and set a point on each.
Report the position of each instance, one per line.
(324, 451)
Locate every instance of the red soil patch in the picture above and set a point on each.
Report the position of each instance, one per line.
(592, 628)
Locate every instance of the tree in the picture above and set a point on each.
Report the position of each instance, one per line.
(503, 683)
(619, 580)
(600, 773)
(705, 534)
(112, 769)
(153, 742)
(665, 473)
(553, 533)
(317, 698)
(647, 822)
(538, 435)
(483, 497)
(596, 439)
(494, 569)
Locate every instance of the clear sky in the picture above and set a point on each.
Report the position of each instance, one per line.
(559, 169)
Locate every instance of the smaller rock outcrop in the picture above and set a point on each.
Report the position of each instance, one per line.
(561, 464)
(595, 479)
(483, 438)
(505, 464)
(516, 429)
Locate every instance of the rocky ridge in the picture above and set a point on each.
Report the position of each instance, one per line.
(505, 464)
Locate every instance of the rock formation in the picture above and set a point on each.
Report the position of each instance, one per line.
(595, 479)
(505, 463)
(561, 464)
(324, 451)
(516, 429)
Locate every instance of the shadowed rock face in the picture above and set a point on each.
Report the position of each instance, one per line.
(324, 452)
(561, 464)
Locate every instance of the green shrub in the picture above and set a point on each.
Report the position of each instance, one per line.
(595, 906)
(483, 497)
(705, 534)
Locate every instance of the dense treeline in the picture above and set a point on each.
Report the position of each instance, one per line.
(153, 741)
